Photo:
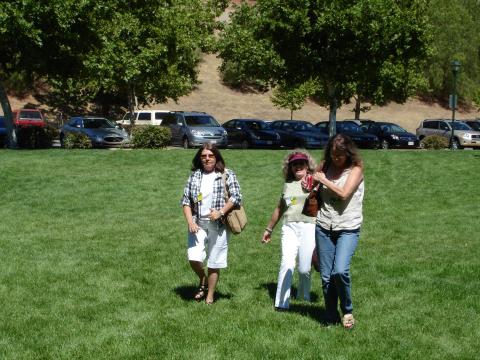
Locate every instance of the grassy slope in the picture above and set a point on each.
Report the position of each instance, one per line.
(93, 264)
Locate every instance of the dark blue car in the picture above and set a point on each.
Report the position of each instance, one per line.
(299, 134)
(354, 131)
(246, 133)
(3, 130)
(391, 135)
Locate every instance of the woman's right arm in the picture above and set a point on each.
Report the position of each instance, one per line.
(186, 205)
(277, 213)
(192, 226)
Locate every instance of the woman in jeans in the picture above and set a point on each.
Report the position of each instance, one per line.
(298, 230)
(338, 224)
(204, 207)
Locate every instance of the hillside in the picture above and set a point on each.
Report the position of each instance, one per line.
(224, 104)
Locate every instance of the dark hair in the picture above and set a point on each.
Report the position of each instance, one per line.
(197, 161)
(345, 145)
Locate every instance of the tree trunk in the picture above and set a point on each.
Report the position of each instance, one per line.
(7, 111)
(357, 108)
(291, 114)
(131, 103)
(332, 116)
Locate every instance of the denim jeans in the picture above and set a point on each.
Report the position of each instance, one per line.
(335, 250)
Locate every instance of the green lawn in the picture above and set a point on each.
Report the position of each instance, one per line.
(93, 261)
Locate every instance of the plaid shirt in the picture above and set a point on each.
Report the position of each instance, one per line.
(192, 190)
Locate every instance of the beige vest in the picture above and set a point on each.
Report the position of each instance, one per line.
(294, 198)
(338, 214)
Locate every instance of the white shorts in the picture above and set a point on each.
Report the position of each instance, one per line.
(210, 241)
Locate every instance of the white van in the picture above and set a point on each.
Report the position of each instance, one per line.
(144, 117)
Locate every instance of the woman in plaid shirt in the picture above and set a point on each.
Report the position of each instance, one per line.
(204, 207)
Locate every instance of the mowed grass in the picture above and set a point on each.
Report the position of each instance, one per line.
(93, 261)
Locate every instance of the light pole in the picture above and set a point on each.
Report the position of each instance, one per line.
(453, 102)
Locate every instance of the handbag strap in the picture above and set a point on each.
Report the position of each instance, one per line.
(224, 177)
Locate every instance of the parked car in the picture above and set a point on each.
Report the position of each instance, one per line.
(144, 117)
(473, 123)
(354, 131)
(101, 131)
(191, 129)
(3, 131)
(463, 135)
(28, 117)
(391, 135)
(251, 133)
(299, 134)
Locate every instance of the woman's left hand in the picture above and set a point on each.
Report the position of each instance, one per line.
(214, 215)
(320, 177)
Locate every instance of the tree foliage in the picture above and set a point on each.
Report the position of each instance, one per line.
(99, 50)
(372, 48)
(293, 98)
(456, 37)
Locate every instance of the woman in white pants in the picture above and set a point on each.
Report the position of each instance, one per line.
(298, 230)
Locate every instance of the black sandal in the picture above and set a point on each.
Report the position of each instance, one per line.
(201, 292)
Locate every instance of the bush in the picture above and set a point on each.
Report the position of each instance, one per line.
(77, 141)
(151, 137)
(434, 142)
(35, 137)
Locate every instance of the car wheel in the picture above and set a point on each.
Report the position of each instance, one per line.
(245, 144)
(186, 143)
(384, 144)
(456, 144)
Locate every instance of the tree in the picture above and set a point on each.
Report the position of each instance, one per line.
(139, 49)
(456, 37)
(366, 47)
(293, 98)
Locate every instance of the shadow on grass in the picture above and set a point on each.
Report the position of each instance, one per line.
(188, 292)
(311, 310)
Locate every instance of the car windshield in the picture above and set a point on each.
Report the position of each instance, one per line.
(392, 128)
(98, 123)
(30, 115)
(460, 126)
(349, 127)
(201, 120)
(303, 127)
(475, 125)
(256, 125)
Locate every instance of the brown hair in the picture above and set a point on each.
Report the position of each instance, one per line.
(345, 145)
(197, 161)
(287, 168)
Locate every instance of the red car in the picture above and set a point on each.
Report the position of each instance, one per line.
(28, 117)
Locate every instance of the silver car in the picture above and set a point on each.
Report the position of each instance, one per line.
(193, 129)
(463, 135)
(101, 132)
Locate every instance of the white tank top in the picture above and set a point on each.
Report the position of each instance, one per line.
(337, 214)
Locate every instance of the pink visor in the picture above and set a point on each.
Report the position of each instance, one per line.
(297, 157)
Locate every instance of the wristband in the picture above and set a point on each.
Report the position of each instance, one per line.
(268, 230)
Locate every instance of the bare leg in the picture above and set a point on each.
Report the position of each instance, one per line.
(213, 275)
(197, 266)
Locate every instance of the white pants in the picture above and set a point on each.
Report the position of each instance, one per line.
(298, 238)
(212, 241)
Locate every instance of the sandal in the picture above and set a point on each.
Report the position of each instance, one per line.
(348, 321)
(201, 293)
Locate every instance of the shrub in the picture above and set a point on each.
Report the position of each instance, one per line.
(77, 141)
(35, 137)
(434, 142)
(151, 137)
